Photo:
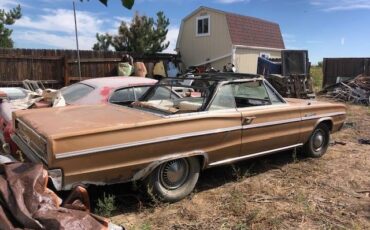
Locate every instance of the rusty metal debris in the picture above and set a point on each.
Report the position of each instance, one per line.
(338, 143)
(364, 141)
(27, 203)
(356, 90)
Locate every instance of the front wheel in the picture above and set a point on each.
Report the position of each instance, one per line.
(318, 143)
(174, 179)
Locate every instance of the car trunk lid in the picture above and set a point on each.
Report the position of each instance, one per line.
(79, 120)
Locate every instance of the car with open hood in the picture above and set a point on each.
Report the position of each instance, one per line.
(165, 140)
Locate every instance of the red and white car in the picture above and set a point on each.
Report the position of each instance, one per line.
(117, 90)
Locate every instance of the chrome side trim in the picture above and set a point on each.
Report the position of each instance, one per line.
(180, 136)
(286, 121)
(144, 142)
(230, 160)
(271, 123)
(323, 115)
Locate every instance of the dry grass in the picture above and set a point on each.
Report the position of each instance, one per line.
(275, 192)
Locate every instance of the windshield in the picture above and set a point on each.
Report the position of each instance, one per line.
(172, 96)
(75, 92)
(14, 93)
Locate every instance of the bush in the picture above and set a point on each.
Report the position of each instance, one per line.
(106, 206)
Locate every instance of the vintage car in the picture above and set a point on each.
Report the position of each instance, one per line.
(165, 141)
(118, 90)
(12, 93)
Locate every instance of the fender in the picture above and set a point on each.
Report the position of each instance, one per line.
(324, 119)
(141, 174)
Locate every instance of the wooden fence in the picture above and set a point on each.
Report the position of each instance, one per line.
(344, 68)
(57, 68)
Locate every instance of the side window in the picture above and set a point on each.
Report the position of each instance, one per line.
(275, 99)
(122, 95)
(162, 93)
(139, 91)
(203, 25)
(75, 92)
(252, 93)
(224, 98)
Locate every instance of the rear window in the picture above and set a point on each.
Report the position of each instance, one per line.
(75, 92)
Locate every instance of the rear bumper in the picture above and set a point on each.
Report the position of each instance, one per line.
(55, 175)
(4, 146)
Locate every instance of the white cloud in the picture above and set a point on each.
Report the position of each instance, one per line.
(341, 5)
(289, 38)
(125, 19)
(231, 1)
(54, 40)
(342, 41)
(172, 35)
(55, 28)
(62, 20)
(7, 4)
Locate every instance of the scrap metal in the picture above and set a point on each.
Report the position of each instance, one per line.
(356, 91)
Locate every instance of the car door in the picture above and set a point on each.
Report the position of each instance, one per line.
(226, 119)
(268, 122)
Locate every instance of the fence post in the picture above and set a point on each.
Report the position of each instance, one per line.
(66, 71)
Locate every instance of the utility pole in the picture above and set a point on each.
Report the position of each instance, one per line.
(78, 49)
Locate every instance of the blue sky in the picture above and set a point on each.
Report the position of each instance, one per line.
(327, 28)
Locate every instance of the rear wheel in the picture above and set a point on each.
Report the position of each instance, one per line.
(174, 179)
(318, 143)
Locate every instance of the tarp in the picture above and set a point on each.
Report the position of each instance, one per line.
(27, 203)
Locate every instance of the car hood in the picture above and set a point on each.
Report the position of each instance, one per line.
(82, 119)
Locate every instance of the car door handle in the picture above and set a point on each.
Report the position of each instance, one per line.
(247, 120)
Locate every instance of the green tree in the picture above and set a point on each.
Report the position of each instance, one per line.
(104, 41)
(8, 18)
(143, 35)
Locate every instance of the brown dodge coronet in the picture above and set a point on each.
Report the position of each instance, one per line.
(166, 140)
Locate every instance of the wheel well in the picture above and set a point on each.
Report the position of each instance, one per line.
(328, 123)
(202, 161)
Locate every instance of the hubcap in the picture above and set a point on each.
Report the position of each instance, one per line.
(173, 174)
(318, 140)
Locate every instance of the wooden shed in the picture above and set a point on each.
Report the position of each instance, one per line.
(217, 37)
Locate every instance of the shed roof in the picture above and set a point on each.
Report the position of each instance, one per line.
(249, 31)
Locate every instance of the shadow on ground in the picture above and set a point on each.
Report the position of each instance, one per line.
(130, 197)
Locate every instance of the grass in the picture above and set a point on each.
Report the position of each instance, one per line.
(317, 77)
(275, 192)
(106, 205)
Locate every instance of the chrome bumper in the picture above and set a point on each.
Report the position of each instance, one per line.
(4, 146)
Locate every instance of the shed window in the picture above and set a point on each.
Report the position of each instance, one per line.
(203, 25)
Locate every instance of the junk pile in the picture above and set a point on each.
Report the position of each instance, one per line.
(290, 75)
(356, 90)
(37, 97)
(156, 67)
(27, 203)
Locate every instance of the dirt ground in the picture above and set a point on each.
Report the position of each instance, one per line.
(280, 191)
